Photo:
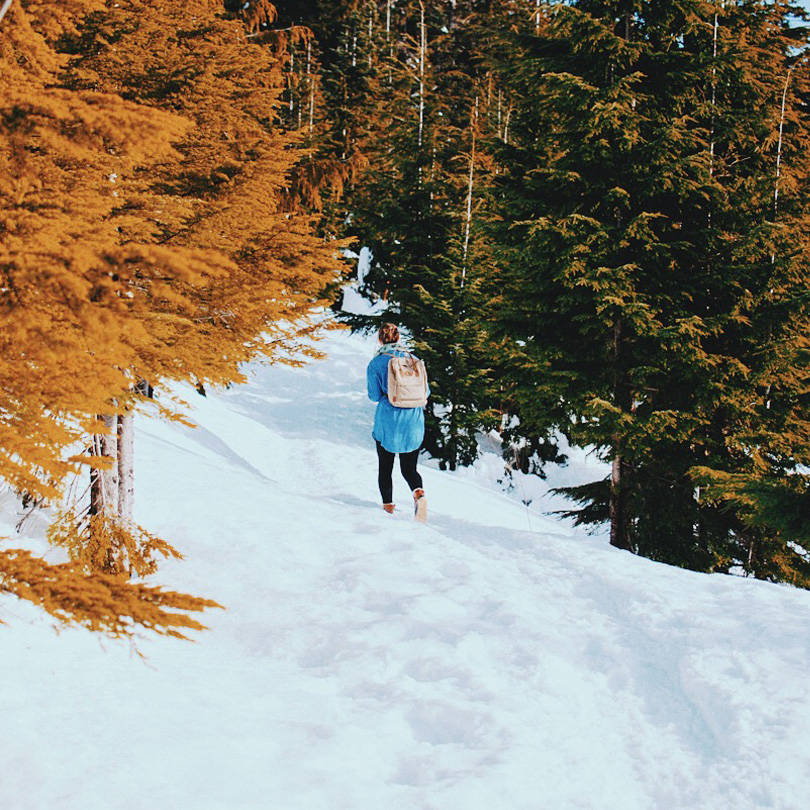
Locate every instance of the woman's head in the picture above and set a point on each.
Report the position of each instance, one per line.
(388, 333)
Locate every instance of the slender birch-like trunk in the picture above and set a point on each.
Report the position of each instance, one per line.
(104, 482)
(389, 39)
(714, 94)
(422, 51)
(619, 472)
(779, 145)
(4, 8)
(354, 43)
(506, 121)
(371, 10)
(126, 465)
(619, 507)
(291, 80)
(311, 87)
(470, 186)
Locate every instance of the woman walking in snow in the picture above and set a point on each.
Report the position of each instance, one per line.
(397, 430)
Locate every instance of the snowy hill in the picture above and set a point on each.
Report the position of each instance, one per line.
(490, 660)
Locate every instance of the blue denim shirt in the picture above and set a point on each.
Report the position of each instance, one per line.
(398, 430)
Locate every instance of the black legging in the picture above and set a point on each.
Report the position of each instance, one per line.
(407, 464)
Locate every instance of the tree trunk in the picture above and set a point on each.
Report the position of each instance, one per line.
(422, 52)
(5, 8)
(470, 189)
(619, 516)
(126, 466)
(310, 87)
(371, 9)
(452, 441)
(779, 147)
(714, 93)
(104, 482)
(619, 484)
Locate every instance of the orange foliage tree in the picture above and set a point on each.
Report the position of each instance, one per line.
(141, 238)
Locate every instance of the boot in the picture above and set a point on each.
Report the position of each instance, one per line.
(420, 505)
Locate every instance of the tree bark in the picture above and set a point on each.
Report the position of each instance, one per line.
(714, 92)
(104, 482)
(126, 466)
(422, 52)
(4, 9)
(470, 189)
(619, 484)
(619, 517)
(779, 147)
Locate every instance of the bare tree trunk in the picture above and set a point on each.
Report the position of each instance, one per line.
(310, 87)
(470, 188)
(779, 147)
(619, 478)
(623, 399)
(126, 465)
(714, 93)
(749, 566)
(619, 518)
(389, 39)
(422, 51)
(300, 106)
(104, 482)
(291, 81)
(4, 9)
(354, 44)
(371, 9)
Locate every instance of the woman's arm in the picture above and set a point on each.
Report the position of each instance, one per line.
(373, 382)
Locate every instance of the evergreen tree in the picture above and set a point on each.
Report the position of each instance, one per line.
(401, 86)
(146, 235)
(334, 88)
(415, 205)
(639, 277)
(447, 317)
(228, 197)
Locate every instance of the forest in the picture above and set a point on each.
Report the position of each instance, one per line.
(590, 217)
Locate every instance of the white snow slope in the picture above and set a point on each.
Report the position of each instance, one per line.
(490, 660)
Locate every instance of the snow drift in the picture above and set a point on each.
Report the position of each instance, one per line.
(491, 659)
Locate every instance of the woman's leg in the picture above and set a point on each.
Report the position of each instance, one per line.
(407, 464)
(384, 470)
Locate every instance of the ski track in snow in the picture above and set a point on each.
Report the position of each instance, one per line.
(493, 659)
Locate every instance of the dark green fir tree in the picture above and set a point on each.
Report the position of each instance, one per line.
(646, 289)
(417, 208)
(399, 109)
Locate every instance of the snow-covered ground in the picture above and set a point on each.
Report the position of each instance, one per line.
(493, 659)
